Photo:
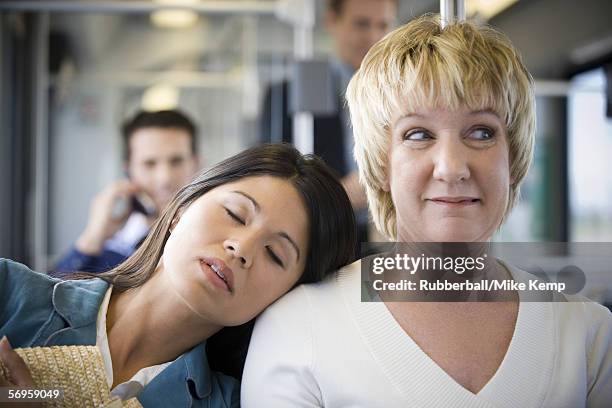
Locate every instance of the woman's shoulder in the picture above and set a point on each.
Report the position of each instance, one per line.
(576, 308)
(307, 297)
(15, 276)
(587, 324)
(25, 302)
(309, 310)
(189, 381)
(28, 298)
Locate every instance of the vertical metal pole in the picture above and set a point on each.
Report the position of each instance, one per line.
(40, 197)
(451, 11)
(1, 58)
(5, 151)
(303, 122)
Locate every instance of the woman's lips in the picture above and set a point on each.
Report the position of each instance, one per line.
(455, 202)
(218, 272)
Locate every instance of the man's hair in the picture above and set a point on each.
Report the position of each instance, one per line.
(168, 119)
(422, 65)
(337, 5)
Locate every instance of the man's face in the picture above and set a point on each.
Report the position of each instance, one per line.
(161, 162)
(359, 25)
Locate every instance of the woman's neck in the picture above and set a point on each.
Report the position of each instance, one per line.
(150, 325)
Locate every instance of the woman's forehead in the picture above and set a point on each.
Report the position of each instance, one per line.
(410, 107)
(419, 105)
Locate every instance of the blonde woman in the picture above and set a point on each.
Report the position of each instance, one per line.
(444, 131)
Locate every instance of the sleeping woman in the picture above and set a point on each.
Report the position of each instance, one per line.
(229, 244)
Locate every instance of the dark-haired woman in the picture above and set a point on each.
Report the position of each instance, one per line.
(230, 243)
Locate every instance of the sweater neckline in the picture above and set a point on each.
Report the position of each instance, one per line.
(521, 379)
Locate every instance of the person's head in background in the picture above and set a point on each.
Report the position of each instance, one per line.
(160, 153)
(356, 25)
(444, 125)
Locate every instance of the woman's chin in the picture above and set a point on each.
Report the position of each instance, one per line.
(458, 233)
(445, 230)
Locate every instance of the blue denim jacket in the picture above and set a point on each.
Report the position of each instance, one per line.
(38, 310)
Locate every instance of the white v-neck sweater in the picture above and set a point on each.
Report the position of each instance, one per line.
(320, 346)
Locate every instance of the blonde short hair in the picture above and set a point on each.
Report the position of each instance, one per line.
(424, 65)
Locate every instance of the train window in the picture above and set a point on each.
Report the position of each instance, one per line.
(540, 200)
(589, 151)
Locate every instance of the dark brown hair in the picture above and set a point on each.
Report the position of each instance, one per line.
(167, 119)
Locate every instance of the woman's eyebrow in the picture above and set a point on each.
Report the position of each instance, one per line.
(251, 199)
(487, 111)
(292, 242)
(282, 234)
(411, 115)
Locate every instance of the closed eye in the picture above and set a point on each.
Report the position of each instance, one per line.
(235, 217)
(274, 257)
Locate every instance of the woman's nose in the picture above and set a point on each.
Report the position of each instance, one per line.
(451, 162)
(241, 250)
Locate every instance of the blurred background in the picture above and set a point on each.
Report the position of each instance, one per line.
(72, 71)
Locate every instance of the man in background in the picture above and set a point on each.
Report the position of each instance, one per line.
(355, 25)
(159, 158)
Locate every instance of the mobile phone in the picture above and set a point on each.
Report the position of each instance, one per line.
(143, 204)
(140, 203)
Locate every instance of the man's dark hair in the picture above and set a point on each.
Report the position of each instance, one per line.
(337, 5)
(169, 119)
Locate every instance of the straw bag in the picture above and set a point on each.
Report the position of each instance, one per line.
(77, 370)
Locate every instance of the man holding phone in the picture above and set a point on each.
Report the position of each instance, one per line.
(160, 157)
